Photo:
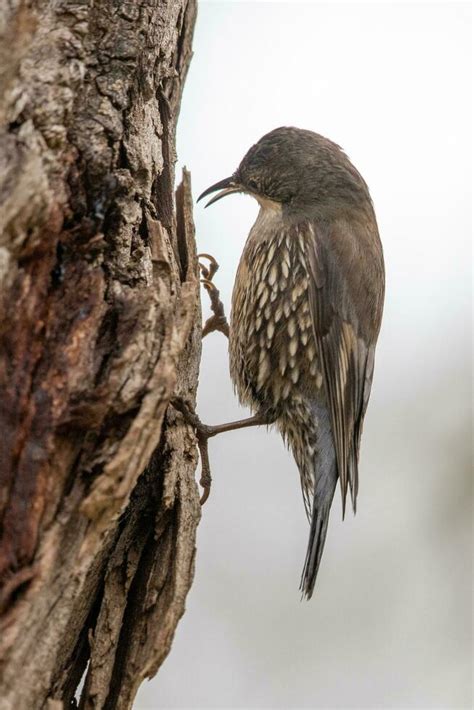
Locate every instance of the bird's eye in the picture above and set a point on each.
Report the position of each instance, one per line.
(253, 184)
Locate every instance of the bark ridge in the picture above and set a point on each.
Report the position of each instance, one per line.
(99, 325)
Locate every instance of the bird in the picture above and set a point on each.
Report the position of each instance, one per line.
(306, 312)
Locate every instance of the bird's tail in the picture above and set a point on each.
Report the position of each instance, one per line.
(325, 479)
(317, 538)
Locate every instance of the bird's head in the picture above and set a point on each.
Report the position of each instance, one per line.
(298, 169)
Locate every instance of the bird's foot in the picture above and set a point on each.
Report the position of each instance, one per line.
(205, 432)
(208, 272)
(218, 320)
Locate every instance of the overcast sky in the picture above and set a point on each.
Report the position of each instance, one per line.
(389, 625)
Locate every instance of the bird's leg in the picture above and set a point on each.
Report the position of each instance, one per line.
(205, 432)
(218, 320)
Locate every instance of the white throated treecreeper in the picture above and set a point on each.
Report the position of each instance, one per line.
(306, 311)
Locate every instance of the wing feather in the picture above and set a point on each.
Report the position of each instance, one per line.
(346, 298)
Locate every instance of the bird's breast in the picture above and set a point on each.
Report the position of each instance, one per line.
(272, 348)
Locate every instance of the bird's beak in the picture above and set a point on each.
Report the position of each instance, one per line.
(226, 187)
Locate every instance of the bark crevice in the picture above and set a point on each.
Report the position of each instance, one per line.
(99, 325)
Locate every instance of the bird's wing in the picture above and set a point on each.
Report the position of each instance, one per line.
(346, 299)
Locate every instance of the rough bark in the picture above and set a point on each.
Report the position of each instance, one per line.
(99, 325)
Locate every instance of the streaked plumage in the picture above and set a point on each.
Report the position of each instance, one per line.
(306, 311)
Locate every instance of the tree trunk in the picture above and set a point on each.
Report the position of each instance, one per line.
(99, 325)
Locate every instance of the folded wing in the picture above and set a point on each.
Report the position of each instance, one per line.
(346, 299)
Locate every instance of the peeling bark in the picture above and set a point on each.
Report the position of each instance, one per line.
(99, 325)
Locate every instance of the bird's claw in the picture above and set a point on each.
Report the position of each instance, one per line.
(203, 433)
(218, 320)
(208, 285)
(208, 272)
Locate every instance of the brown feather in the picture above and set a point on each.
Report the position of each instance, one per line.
(346, 266)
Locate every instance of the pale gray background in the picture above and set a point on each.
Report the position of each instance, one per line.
(390, 622)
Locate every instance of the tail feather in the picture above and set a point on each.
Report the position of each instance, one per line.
(307, 429)
(317, 534)
(325, 480)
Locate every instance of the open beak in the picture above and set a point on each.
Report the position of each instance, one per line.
(226, 187)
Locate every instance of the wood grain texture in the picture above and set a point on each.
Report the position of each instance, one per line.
(99, 325)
